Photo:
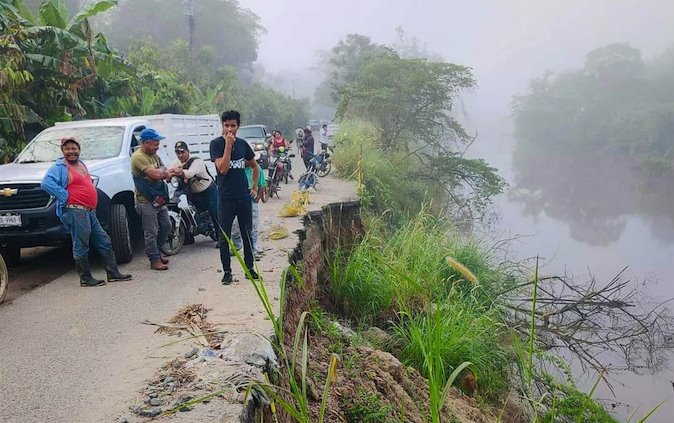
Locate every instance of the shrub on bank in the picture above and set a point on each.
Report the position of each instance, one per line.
(403, 279)
(390, 183)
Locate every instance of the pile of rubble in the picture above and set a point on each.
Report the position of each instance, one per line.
(223, 365)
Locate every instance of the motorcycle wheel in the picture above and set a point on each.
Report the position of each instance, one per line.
(176, 238)
(4, 279)
(324, 169)
(308, 180)
(265, 195)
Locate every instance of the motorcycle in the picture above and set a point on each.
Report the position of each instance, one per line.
(186, 221)
(279, 170)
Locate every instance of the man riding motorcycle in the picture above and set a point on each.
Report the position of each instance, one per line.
(202, 191)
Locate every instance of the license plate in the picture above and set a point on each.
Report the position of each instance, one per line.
(10, 220)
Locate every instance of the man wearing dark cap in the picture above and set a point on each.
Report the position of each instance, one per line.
(69, 182)
(149, 174)
(202, 191)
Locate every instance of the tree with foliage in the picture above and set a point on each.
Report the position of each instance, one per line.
(616, 105)
(409, 103)
(231, 31)
(342, 65)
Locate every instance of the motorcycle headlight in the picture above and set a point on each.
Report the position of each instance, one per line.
(175, 182)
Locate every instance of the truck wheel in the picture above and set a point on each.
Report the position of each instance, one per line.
(11, 255)
(120, 234)
(4, 279)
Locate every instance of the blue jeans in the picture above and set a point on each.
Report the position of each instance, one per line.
(86, 231)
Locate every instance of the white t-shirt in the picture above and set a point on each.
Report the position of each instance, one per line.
(324, 136)
(197, 168)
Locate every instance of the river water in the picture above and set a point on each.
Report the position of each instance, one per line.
(592, 215)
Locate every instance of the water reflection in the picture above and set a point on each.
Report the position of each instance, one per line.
(594, 195)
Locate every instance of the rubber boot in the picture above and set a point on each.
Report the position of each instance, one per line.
(111, 269)
(84, 271)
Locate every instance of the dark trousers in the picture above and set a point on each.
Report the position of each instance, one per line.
(242, 209)
(156, 228)
(207, 200)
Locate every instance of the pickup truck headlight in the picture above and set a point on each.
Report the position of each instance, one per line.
(94, 180)
(259, 147)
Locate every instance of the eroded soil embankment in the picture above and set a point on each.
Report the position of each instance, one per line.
(370, 383)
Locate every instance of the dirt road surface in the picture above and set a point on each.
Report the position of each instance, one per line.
(71, 354)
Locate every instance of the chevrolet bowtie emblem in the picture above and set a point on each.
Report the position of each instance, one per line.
(8, 192)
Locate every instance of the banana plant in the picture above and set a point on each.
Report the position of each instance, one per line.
(59, 55)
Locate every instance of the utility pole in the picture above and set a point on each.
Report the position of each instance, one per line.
(188, 7)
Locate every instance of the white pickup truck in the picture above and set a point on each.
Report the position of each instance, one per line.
(27, 213)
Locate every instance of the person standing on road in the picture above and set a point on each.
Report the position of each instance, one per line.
(236, 233)
(69, 182)
(231, 156)
(202, 191)
(149, 174)
(324, 138)
(307, 147)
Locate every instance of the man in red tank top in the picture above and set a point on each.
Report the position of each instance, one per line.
(69, 181)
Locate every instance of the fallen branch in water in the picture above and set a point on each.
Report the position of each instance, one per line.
(591, 319)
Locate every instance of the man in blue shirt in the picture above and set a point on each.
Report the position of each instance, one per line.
(231, 156)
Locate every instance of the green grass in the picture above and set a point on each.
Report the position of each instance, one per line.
(406, 270)
(451, 335)
(404, 279)
(367, 407)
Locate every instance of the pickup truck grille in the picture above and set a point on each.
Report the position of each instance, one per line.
(26, 196)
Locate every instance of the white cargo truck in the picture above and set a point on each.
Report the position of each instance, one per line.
(28, 214)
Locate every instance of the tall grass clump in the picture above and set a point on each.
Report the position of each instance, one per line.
(403, 279)
(406, 270)
(439, 341)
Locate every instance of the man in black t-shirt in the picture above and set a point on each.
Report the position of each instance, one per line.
(231, 156)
